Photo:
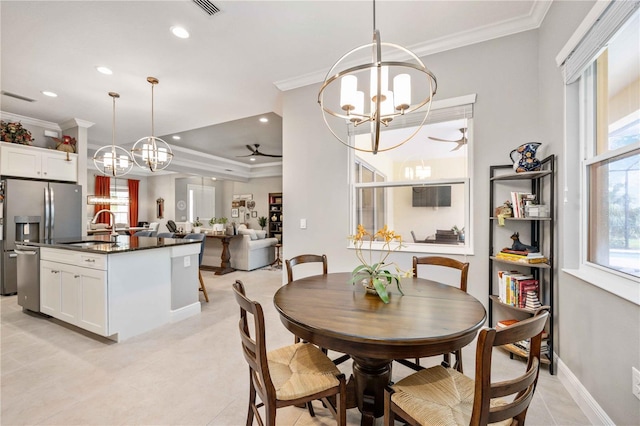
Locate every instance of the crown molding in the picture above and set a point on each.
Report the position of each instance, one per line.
(527, 22)
(76, 122)
(29, 121)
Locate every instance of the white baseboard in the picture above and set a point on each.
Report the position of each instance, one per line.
(185, 312)
(582, 397)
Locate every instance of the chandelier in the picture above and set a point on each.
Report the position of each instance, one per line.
(151, 152)
(113, 160)
(382, 105)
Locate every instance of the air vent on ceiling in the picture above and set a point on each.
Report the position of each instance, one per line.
(207, 6)
(13, 95)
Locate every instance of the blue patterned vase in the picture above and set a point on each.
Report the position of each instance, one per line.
(524, 158)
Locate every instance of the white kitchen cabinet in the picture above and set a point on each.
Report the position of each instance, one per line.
(49, 288)
(39, 163)
(121, 294)
(72, 293)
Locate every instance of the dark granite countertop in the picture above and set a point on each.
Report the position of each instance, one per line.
(102, 244)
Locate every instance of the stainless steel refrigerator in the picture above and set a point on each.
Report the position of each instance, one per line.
(34, 211)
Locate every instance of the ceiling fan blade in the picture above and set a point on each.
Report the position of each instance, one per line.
(254, 150)
(268, 155)
(460, 145)
(441, 140)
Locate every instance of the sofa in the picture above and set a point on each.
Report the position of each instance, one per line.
(251, 249)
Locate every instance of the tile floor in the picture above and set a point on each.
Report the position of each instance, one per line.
(187, 373)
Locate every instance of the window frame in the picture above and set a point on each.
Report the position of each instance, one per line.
(441, 111)
(116, 186)
(616, 282)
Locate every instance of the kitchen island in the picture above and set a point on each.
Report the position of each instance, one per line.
(119, 288)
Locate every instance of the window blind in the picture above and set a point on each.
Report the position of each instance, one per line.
(596, 39)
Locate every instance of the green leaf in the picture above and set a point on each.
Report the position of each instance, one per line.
(381, 289)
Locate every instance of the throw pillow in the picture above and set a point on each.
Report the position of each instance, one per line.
(242, 227)
(252, 234)
(262, 234)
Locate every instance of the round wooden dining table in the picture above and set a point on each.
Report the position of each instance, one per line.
(429, 319)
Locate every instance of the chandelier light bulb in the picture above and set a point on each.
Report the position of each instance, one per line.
(343, 103)
(402, 91)
(113, 160)
(151, 152)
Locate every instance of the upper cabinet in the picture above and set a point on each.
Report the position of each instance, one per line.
(38, 163)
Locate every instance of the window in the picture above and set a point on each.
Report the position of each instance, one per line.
(603, 57)
(422, 187)
(610, 89)
(201, 202)
(119, 188)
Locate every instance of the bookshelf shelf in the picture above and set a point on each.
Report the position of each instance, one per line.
(524, 354)
(524, 219)
(538, 230)
(275, 215)
(528, 265)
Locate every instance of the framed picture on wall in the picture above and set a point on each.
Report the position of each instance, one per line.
(234, 213)
(254, 214)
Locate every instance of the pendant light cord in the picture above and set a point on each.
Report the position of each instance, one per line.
(374, 15)
(152, 115)
(113, 126)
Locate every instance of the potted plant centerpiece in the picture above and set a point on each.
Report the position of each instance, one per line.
(376, 276)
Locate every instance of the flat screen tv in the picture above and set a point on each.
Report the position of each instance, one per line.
(431, 196)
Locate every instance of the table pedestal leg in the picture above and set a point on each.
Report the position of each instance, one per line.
(371, 376)
(225, 264)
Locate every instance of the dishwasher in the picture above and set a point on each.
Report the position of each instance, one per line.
(28, 277)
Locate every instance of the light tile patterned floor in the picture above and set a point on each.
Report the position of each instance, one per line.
(187, 373)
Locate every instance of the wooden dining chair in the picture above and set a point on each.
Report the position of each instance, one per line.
(446, 262)
(310, 258)
(200, 237)
(292, 375)
(439, 395)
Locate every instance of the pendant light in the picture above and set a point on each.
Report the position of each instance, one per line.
(113, 160)
(351, 108)
(151, 152)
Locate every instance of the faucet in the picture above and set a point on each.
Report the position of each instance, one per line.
(113, 234)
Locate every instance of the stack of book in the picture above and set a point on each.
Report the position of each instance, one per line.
(518, 202)
(524, 344)
(513, 289)
(521, 256)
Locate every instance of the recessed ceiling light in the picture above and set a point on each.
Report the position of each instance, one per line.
(176, 137)
(180, 32)
(50, 94)
(252, 159)
(264, 119)
(104, 70)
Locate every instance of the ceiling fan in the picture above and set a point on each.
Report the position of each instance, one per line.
(255, 152)
(461, 142)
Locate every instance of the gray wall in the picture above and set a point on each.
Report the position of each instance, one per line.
(520, 98)
(504, 75)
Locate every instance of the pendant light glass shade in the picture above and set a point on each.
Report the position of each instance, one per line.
(151, 152)
(113, 160)
(344, 105)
